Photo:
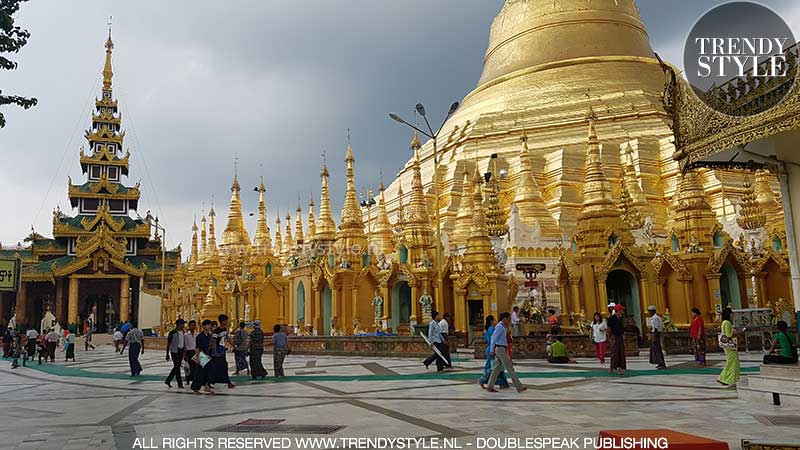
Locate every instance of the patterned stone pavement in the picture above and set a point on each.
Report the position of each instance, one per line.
(93, 403)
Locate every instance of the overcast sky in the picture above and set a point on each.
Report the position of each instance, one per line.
(272, 82)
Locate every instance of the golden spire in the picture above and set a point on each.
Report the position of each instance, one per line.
(203, 238)
(298, 225)
(326, 227)
(597, 201)
(108, 74)
(766, 198)
(288, 241)
(312, 226)
(235, 234)
(628, 211)
(278, 250)
(479, 251)
(693, 215)
(262, 241)
(496, 215)
(465, 208)
(212, 237)
(352, 221)
(599, 214)
(631, 182)
(193, 258)
(528, 197)
(416, 222)
(382, 234)
(751, 216)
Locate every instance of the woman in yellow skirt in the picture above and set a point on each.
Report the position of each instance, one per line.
(730, 374)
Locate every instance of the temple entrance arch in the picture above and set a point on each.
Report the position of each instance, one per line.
(622, 287)
(327, 309)
(301, 303)
(401, 305)
(729, 287)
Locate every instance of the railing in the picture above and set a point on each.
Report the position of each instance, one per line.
(741, 96)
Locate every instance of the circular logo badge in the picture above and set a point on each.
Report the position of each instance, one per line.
(741, 58)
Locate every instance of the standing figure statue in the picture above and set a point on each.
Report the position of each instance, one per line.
(427, 305)
(377, 303)
(47, 320)
(12, 322)
(110, 313)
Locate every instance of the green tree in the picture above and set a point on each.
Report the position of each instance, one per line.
(12, 39)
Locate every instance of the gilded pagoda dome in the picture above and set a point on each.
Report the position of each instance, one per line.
(530, 33)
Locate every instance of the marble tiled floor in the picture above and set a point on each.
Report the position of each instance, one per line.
(100, 407)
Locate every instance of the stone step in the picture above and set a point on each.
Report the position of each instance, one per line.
(781, 371)
(787, 386)
(766, 398)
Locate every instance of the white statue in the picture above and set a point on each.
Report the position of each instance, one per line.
(47, 321)
(12, 323)
(377, 302)
(426, 301)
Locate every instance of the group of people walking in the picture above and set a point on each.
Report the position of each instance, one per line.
(202, 353)
(27, 346)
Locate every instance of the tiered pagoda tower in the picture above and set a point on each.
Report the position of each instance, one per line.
(100, 261)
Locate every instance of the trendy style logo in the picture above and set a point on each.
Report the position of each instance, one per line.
(741, 58)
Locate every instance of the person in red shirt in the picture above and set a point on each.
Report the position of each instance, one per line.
(698, 334)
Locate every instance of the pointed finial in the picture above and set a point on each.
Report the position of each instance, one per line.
(109, 42)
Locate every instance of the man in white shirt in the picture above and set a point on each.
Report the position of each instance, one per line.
(515, 320)
(444, 328)
(656, 328)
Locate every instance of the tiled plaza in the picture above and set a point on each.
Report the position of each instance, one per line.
(94, 404)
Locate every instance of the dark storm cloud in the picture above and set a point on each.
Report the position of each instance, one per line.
(270, 82)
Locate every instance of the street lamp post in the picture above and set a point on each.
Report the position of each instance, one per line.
(157, 226)
(433, 136)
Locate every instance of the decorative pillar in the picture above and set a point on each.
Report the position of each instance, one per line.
(316, 314)
(387, 303)
(602, 295)
(60, 312)
(22, 304)
(644, 295)
(460, 297)
(416, 309)
(761, 285)
(576, 297)
(354, 305)
(124, 299)
(72, 307)
(663, 303)
(687, 294)
(334, 310)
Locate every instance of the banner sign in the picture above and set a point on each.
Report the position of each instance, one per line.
(9, 275)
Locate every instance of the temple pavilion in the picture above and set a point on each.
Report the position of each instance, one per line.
(103, 259)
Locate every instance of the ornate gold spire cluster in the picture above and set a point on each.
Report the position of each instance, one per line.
(693, 218)
(262, 240)
(213, 252)
(298, 225)
(597, 201)
(528, 197)
(235, 237)
(326, 227)
(288, 240)
(496, 216)
(382, 235)
(351, 227)
(416, 223)
(278, 250)
(627, 209)
(751, 215)
(479, 251)
(193, 257)
(203, 238)
(312, 223)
